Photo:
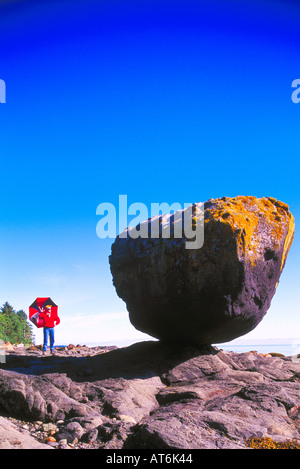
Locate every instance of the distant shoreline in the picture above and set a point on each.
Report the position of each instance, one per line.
(287, 347)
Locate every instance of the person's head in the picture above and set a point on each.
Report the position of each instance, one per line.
(48, 308)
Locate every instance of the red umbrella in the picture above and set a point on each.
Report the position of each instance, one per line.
(37, 307)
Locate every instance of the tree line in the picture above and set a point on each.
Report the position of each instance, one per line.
(14, 326)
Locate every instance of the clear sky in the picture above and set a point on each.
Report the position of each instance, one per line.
(164, 101)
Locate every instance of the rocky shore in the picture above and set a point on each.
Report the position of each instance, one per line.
(148, 396)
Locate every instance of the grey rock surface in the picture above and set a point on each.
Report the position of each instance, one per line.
(156, 396)
(12, 438)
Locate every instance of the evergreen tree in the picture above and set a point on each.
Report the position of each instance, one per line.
(14, 326)
(25, 327)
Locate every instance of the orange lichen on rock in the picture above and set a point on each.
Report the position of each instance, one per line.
(268, 443)
(250, 219)
(288, 240)
(213, 293)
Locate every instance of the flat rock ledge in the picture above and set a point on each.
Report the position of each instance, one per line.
(147, 396)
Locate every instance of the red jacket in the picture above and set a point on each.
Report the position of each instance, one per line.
(50, 320)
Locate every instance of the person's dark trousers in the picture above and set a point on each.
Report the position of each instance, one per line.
(48, 332)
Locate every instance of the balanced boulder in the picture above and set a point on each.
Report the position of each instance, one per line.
(214, 293)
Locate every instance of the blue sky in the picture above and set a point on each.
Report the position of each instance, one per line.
(161, 101)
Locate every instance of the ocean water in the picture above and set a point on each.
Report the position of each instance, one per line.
(288, 349)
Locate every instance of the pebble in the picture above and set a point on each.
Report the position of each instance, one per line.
(52, 443)
(49, 427)
(64, 441)
(43, 432)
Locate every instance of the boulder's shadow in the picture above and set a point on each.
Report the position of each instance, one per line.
(141, 360)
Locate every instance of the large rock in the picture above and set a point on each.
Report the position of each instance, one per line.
(212, 294)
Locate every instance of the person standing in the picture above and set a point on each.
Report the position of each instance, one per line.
(50, 321)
